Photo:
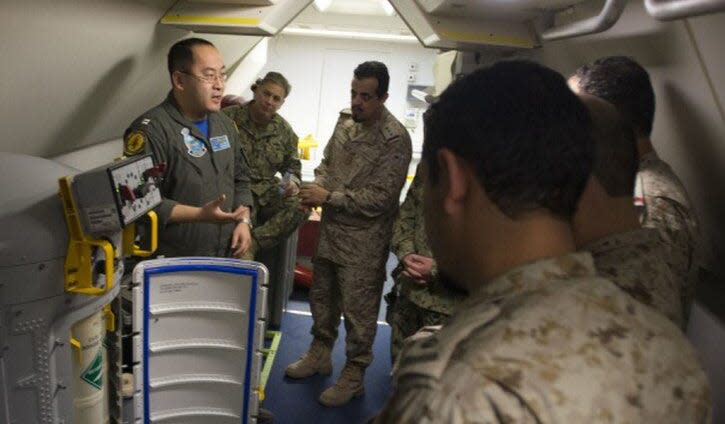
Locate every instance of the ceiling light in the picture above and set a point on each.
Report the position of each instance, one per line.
(387, 8)
(375, 36)
(322, 5)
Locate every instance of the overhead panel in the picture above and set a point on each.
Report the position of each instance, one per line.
(244, 17)
(459, 25)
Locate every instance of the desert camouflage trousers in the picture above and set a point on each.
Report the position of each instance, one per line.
(405, 319)
(353, 291)
(276, 220)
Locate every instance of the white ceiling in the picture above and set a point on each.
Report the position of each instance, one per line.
(354, 7)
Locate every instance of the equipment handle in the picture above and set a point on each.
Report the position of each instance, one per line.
(665, 10)
(154, 235)
(609, 15)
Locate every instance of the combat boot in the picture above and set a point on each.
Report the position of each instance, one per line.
(349, 385)
(314, 361)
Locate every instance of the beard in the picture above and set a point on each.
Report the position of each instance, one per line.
(357, 115)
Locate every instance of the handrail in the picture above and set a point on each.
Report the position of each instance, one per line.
(665, 10)
(609, 15)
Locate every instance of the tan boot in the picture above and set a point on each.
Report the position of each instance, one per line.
(349, 385)
(314, 361)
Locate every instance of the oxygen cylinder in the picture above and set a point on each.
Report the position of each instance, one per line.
(89, 371)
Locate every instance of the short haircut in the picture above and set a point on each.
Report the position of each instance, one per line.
(377, 70)
(274, 77)
(615, 148)
(522, 130)
(181, 55)
(624, 83)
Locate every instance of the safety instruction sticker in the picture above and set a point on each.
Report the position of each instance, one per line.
(102, 218)
(93, 374)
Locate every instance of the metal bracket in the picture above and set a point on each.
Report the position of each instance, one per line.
(665, 10)
(603, 21)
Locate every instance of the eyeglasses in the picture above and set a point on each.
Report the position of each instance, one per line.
(209, 79)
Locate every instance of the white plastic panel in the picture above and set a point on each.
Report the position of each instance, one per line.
(257, 364)
(259, 334)
(201, 338)
(223, 18)
(137, 343)
(137, 320)
(465, 32)
(262, 302)
(138, 381)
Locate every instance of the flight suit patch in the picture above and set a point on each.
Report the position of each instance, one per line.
(134, 143)
(219, 143)
(194, 146)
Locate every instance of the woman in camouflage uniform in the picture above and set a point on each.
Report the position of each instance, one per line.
(270, 147)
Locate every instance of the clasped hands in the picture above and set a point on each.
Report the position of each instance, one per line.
(419, 268)
(312, 195)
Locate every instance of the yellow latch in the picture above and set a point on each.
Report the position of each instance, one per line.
(110, 318)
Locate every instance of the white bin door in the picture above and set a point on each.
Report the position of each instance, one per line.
(199, 318)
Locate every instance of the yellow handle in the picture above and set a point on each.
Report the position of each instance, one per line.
(86, 287)
(154, 237)
(78, 261)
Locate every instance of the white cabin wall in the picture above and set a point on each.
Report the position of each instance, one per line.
(77, 72)
(689, 128)
(301, 60)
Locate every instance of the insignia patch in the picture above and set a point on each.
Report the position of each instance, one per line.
(194, 146)
(134, 143)
(219, 143)
(145, 121)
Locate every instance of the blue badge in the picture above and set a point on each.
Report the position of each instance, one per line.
(219, 143)
(194, 146)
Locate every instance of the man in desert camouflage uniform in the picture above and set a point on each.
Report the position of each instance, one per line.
(358, 184)
(606, 222)
(659, 195)
(541, 338)
(270, 146)
(418, 297)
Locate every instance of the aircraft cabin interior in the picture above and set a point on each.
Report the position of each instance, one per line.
(75, 75)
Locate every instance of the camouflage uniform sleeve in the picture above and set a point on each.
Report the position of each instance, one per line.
(469, 399)
(292, 162)
(142, 137)
(381, 192)
(242, 183)
(403, 241)
(321, 170)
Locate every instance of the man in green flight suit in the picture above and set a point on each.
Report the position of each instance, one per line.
(205, 187)
(270, 146)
